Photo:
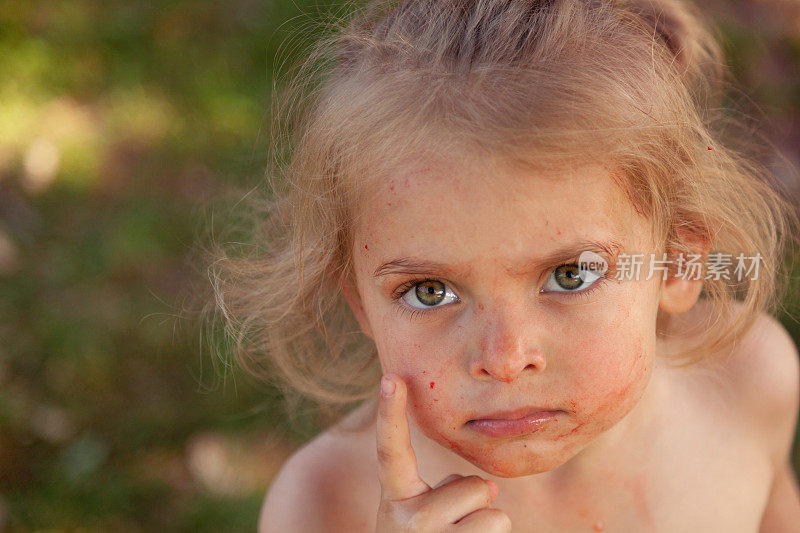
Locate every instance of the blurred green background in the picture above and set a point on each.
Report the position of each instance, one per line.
(120, 121)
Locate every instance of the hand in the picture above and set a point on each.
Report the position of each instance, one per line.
(457, 503)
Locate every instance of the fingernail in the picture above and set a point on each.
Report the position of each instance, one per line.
(493, 488)
(387, 387)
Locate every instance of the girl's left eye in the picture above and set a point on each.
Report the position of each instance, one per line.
(570, 278)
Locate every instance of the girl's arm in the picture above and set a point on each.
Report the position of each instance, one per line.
(783, 508)
(775, 380)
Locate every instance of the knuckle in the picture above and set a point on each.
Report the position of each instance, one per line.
(385, 412)
(385, 454)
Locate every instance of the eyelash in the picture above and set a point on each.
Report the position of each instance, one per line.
(408, 285)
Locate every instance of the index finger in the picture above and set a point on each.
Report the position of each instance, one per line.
(397, 463)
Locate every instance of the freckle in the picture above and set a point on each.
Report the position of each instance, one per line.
(433, 384)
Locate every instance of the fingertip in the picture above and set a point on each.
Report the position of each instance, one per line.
(388, 386)
(493, 489)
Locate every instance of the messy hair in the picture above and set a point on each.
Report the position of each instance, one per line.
(636, 84)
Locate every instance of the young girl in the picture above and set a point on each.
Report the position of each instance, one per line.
(530, 218)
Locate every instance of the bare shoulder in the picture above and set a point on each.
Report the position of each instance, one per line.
(763, 371)
(330, 484)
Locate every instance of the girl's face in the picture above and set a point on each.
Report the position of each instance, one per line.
(498, 330)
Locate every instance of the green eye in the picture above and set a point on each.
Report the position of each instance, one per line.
(568, 277)
(427, 294)
(430, 292)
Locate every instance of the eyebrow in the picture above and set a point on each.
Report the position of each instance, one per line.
(607, 248)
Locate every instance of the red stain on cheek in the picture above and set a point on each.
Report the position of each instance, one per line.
(366, 247)
(433, 384)
(558, 232)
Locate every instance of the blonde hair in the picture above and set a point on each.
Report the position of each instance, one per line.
(526, 82)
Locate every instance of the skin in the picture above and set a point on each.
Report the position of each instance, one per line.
(633, 432)
(506, 345)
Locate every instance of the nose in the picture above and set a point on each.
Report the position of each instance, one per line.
(508, 346)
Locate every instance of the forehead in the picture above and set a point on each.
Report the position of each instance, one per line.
(467, 213)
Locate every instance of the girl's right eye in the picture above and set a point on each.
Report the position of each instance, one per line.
(426, 294)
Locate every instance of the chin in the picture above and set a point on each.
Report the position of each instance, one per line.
(514, 458)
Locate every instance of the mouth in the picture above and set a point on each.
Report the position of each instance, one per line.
(514, 423)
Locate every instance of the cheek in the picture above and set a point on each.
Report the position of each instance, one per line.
(428, 365)
(609, 375)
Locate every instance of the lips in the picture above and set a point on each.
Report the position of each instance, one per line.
(514, 423)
